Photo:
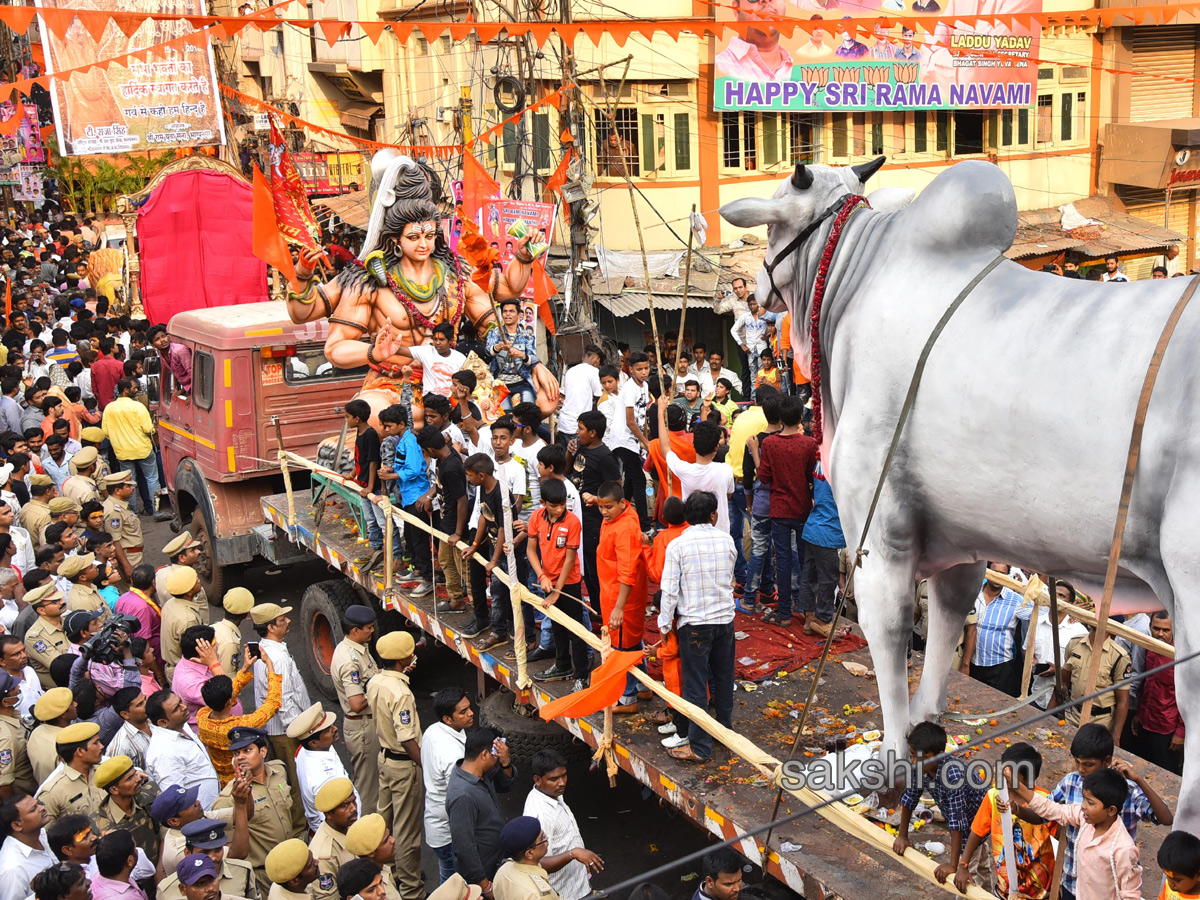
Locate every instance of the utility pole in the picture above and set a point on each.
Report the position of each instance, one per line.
(577, 284)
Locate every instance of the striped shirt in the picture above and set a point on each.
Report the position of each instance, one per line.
(958, 801)
(996, 629)
(697, 581)
(562, 834)
(1136, 809)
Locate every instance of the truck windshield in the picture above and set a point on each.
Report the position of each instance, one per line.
(309, 365)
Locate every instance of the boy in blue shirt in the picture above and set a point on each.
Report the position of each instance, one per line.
(406, 474)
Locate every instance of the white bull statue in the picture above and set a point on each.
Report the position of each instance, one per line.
(1016, 445)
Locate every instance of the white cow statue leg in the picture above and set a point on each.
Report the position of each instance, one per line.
(952, 593)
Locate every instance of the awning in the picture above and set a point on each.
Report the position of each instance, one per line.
(1148, 154)
(354, 208)
(1040, 233)
(620, 300)
(358, 115)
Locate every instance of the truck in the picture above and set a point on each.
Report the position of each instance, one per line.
(255, 375)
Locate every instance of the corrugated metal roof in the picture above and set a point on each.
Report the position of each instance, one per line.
(1040, 233)
(353, 208)
(630, 303)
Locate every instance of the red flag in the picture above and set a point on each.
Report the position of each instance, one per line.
(294, 217)
(266, 240)
(608, 683)
(543, 290)
(478, 186)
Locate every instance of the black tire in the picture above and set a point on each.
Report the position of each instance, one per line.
(526, 736)
(215, 580)
(321, 612)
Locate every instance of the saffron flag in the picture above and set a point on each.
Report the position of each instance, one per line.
(559, 177)
(293, 214)
(608, 683)
(543, 290)
(267, 240)
(478, 186)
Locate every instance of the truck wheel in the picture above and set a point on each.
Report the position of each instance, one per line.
(526, 736)
(321, 612)
(213, 578)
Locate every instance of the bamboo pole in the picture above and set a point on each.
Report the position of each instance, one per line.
(837, 813)
(1027, 667)
(388, 543)
(287, 478)
(687, 278)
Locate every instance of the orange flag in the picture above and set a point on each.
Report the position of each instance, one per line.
(478, 186)
(559, 178)
(543, 290)
(608, 683)
(267, 243)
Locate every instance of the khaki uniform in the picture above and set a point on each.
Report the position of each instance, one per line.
(351, 668)
(1114, 666)
(160, 590)
(123, 524)
(520, 881)
(237, 880)
(401, 789)
(174, 844)
(81, 489)
(177, 617)
(279, 892)
(34, 516)
(67, 791)
(272, 822)
(229, 646)
(86, 596)
(43, 752)
(15, 770)
(138, 823)
(329, 850)
(45, 642)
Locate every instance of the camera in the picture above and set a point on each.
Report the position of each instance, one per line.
(106, 645)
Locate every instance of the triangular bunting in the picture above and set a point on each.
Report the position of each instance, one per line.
(540, 33)
(373, 30)
(18, 18)
(218, 32)
(402, 31)
(618, 31)
(432, 30)
(233, 25)
(129, 23)
(487, 33)
(58, 21)
(332, 30)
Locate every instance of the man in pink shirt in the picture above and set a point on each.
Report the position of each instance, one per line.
(760, 57)
(116, 855)
(198, 664)
(138, 603)
(106, 372)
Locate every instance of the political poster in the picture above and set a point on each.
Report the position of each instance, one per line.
(24, 146)
(924, 54)
(165, 100)
(30, 186)
(501, 215)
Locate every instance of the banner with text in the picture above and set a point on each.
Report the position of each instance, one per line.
(902, 65)
(164, 101)
(499, 223)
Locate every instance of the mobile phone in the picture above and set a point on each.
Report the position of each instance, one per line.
(253, 651)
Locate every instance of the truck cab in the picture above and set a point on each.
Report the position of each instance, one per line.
(251, 367)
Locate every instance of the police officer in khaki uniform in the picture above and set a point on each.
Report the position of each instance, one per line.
(237, 603)
(271, 794)
(179, 614)
(54, 711)
(1108, 709)
(83, 572)
(352, 668)
(401, 788)
(122, 522)
(522, 877)
(62, 509)
(336, 800)
(46, 639)
(198, 875)
(15, 771)
(291, 868)
(92, 437)
(35, 515)
(207, 836)
(182, 550)
(81, 485)
(71, 788)
(371, 838)
(130, 797)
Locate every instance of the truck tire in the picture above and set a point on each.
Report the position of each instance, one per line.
(526, 736)
(215, 580)
(321, 612)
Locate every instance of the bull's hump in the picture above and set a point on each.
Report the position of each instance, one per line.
(970, 206)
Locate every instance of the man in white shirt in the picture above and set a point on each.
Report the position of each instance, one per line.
(271, 624)
(713, 372)
(441, 749)
(632, 406)
(25, 851)
(15, 661)
(703, 474)
(175, 754)
(750, 333)
(438, 361)
(580, 390)
(546, 804)
(317, 762)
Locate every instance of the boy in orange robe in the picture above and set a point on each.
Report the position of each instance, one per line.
(621, 567)
(656, 463)
(656, 555)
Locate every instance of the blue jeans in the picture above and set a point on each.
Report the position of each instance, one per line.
(783, 533)
(145, 476)
(445, 858)
(706, 654)
(376, 522)
(761, 574)
(519, 392)
(737, 528)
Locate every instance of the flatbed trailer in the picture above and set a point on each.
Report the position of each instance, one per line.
(726, 796)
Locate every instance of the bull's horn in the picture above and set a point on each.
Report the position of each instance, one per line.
(802, 179)
(866, 170)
